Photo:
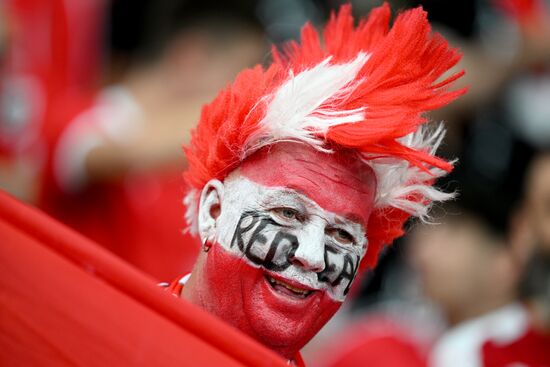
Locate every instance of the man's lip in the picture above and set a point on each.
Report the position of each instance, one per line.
(296, 288)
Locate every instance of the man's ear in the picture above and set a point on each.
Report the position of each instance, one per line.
(210, 209)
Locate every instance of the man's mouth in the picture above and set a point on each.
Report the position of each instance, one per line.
(285, 288)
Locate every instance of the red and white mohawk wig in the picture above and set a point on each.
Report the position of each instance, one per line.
(363, 88)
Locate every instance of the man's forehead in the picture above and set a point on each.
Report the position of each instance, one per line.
(338, 182)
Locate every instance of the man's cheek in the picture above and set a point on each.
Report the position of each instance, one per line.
(263, 242)
(340, 269)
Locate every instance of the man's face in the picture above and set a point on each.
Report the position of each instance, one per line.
(462, 266)
(289, 239)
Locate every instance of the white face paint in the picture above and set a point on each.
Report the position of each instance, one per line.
(291, 237)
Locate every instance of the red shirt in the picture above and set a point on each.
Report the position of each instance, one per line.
(532, 349)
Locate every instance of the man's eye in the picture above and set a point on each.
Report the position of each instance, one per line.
(285, 213)
(342, 236)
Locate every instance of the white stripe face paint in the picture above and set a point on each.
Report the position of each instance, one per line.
(290, 236)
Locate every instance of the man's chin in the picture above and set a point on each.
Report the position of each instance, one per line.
(285, 316)
(279, 313)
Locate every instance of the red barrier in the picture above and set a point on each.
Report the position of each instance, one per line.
(66, 301)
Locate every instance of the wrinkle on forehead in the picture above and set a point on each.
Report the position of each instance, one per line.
(245, 195)
(340, 172)
(338, 182)
(308, 178)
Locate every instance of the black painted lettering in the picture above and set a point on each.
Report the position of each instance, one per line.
(325, 275)
(240, 230)
(256, 237)
(287, 244)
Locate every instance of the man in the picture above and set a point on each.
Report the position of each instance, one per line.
(300, 173)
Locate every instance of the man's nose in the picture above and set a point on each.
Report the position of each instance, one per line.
(310, 253)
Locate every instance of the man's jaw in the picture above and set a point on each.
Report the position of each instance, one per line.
(293, 310)
(282, 312)
(288, 297)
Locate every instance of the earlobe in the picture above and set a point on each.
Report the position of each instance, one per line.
(209, 209)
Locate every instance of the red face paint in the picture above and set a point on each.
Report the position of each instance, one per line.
(338, 182)
(240, 294)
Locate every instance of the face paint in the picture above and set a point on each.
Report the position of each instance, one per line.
(338, 182)
(279, 240)
(288, 243)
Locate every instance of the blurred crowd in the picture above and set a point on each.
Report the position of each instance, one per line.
(97, 98)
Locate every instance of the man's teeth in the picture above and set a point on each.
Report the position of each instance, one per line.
(303, 292)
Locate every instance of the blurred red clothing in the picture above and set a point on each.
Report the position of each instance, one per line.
(65, 301)
(52, 51)
(138, 217)
(467, 343)
(140, 220)
(375, 341)
(531, 349)
(49, 76)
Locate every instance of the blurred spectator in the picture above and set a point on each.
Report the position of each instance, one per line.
(535, 210)
(469, 265)
(116, 168)
(50, 49)
(474, 263)
(109, 163)
(532, 241)
(471, 272)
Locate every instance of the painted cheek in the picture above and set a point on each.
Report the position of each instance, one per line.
(228, 281)
(304, 258)
(240, 294)
(263, 243)
(285, 324)
(340, 270)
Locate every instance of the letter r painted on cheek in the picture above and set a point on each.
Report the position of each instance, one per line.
(242, 229)
(253, 241)
(256, 238)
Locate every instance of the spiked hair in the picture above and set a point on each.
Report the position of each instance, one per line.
(364, 88)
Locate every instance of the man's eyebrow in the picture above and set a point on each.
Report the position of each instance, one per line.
(351, 217)
(282, 197)
(302, 200)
